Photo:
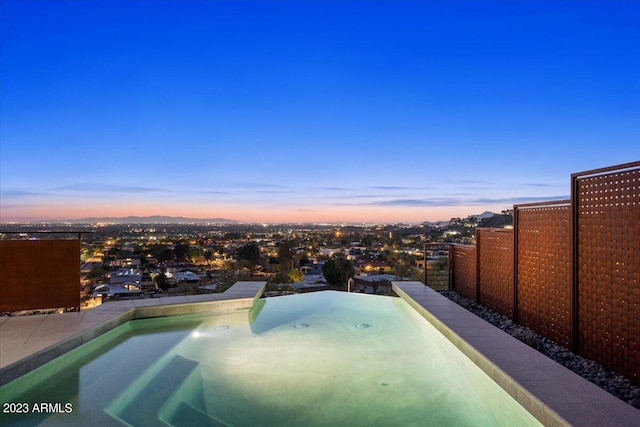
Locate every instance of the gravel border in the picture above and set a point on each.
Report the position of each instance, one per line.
(610, 381)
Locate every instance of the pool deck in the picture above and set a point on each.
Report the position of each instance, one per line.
(27, 342)
(552, 393)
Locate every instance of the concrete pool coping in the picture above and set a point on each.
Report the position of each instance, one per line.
(27, 342)
(552, 393)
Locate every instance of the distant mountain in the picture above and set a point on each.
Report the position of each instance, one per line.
(436, 223)
(496, 221)
(155, 219)
(485, 214)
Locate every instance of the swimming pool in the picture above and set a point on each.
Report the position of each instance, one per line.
(326, 358)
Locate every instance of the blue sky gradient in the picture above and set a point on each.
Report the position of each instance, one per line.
(310, 111)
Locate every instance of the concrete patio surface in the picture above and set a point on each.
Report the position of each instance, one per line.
(552, 393)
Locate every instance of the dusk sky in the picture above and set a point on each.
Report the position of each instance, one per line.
(310, 111)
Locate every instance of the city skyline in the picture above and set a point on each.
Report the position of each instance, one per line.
(318, 111)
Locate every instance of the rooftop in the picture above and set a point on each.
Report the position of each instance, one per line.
(552, 393)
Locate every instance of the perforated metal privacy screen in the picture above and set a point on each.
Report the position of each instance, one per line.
(606, 207)
(495, 269)
(464, 265)
(577, 268)
(543, 266)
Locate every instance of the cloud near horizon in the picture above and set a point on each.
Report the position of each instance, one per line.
(334, 188)
(443, 202)
(273, 191)
(393, 188)
(107, 188)
(212, 192)
(537, 184)
(20, 193)
(256, 185)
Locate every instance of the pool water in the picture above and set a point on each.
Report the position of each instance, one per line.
(319, 359)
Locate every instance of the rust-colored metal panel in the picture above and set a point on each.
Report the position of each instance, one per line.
(543, 268)
(464, 271)
(495, 269)
(38, 274)
(606, 275)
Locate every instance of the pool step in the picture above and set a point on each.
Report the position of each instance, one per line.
(186, 415)
(143, 407)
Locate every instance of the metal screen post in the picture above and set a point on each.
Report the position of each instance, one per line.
(425, 264)
(575, 305)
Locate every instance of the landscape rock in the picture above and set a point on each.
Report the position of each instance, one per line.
(592, 371)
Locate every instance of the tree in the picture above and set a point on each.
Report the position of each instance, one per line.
(249, 252)
(338, 270)
(180, 252)
(296, 276)
(303, 260)
(161, 281)
(285, 255)
(435, 234)
(401, 268)
(193, 253)
(208, 256)
(86, 254)
(165, 255)
(417, 275)
(99, 273)
(244, 265)
(161, 252)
